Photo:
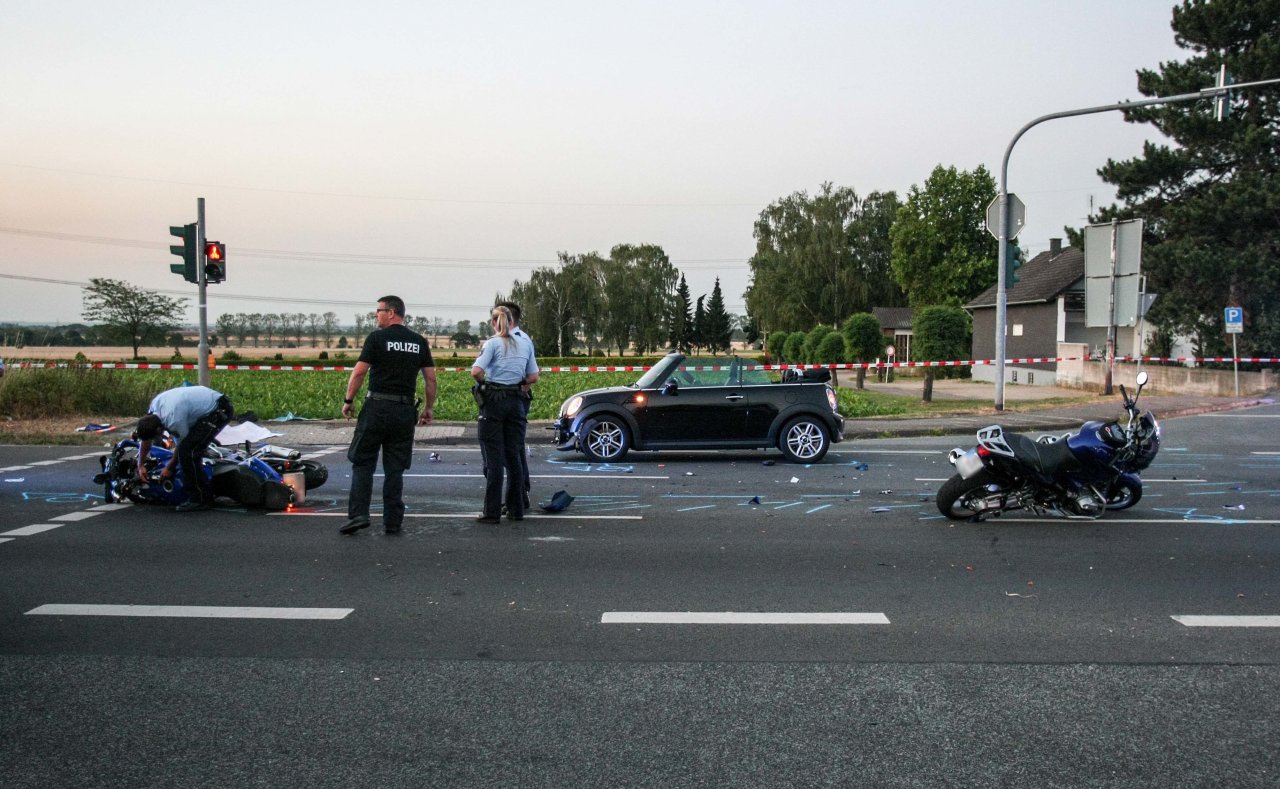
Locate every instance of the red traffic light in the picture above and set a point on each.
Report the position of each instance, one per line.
(213, 250)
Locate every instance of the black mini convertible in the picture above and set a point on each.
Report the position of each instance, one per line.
(685, 402)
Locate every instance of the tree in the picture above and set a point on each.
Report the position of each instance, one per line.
(775, 345)
(812, 340)
(863, 340)
(718, 328)
(831, 350)
(227, 325)
(819, 258)
(680, 325)
(134, 314)
(942, 253)
(699, 335)
(329, 326)
(1211, 199)
(939, 333)
(793, 350)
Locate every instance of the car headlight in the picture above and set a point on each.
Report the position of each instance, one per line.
(571, 407)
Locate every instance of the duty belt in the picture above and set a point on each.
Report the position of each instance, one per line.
(405, 399)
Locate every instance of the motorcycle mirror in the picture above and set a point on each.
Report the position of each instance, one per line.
(1141, 379)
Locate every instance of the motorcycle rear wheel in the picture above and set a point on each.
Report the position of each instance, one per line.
(955, 493)
(1123, 495)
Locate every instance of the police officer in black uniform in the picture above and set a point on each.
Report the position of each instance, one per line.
(393, 356)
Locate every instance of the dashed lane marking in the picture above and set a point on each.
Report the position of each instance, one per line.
(739, 618)
(1228, 621)
(75, 516)
(189, 611)
(27, 531)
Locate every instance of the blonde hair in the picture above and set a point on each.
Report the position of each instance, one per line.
(502, 328)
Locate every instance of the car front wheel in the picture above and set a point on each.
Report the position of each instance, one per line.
(804, 440)
(604, 439)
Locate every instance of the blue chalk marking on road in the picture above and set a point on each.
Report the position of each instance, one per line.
(816, 509)
(55, 497)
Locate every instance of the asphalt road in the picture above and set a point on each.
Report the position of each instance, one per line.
(898, 648)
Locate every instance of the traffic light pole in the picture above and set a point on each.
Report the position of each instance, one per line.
(203, 348)
(1002, 300)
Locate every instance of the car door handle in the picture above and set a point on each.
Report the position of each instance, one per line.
(733, 397)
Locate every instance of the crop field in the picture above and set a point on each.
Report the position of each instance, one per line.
(311, 394)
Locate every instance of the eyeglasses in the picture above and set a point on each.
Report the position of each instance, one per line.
(383, 309)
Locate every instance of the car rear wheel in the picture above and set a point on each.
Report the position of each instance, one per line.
(604, 439)
(804, 440)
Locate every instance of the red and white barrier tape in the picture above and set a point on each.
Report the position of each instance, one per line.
(643, 368)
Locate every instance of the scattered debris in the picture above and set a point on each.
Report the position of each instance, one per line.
(882, 509)
(559, 501)
(886, 493)
(94, 427)
(1017, 594)
(755, 500)
(860, 466)
(766, 462)
(794, 480)
(1239, 507)
(433, 457)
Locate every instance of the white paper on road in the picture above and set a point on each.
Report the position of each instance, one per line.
(245, 431)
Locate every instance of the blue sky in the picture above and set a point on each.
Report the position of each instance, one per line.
(440, 151)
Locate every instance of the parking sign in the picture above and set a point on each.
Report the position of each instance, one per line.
(1234, 319)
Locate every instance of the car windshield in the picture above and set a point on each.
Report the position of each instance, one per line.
(658, 374)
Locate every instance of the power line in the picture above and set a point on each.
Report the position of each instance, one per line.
(399, 198)
(412, 261)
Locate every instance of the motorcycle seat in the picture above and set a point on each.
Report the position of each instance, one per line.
(1045, 459)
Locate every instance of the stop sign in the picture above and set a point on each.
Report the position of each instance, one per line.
(1017, 216)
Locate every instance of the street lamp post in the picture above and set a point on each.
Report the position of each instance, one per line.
(1003, 238)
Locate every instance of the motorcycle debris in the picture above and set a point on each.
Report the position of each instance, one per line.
(754, 500)
(17, 479)
(886, 493)
(433, 457)
(1233, 507)
(882, 509)
(795, 480)
(766, 462)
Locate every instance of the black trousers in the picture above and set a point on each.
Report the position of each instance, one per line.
(191, 449)
(387, 428)
(501, 428)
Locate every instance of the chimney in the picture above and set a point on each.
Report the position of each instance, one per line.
(1055, 247)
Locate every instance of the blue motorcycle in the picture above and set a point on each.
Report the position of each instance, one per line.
(251, 477)
(1081, 474)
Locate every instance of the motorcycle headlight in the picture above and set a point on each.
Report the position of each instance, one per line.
(571, 407)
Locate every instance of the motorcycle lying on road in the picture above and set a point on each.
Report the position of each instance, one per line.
(251, 476)
(1081, 474)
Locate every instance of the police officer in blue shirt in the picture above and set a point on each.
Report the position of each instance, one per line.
(505, 366)
(193, 415)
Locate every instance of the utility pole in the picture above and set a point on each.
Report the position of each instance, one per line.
(1217, 91)
(203, 348)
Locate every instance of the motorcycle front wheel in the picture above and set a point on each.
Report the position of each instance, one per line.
(1123, 494)
(956, 496)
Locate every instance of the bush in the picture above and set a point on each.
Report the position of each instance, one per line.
(324, 355)
(793, 351)
(230, 356)
(42, 393)
(812, 340)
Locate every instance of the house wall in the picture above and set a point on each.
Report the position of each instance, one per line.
(1032, 332)
(1086, 374)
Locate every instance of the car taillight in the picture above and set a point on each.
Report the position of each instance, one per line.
(831, 399)
(983, 452)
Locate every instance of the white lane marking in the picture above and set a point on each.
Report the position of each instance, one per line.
(110, 507)
(47, 462)
(893, 452)
(76, 516)
(739, 618)
(27, 531)
(6, 539)
(1264, 453)
(545, 476)
(1244, 416)
(1204, 518)
(1228, 621)
(7, 469)
(197, 611)
(464, 515)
